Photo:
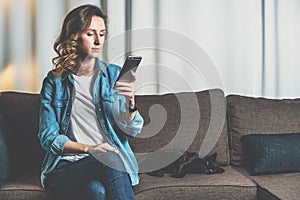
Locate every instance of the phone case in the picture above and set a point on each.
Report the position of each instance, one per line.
(131, 64)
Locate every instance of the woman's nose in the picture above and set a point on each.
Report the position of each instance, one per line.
(97, 40)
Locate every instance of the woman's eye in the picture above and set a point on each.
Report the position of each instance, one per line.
(102, 34)
(89, 34)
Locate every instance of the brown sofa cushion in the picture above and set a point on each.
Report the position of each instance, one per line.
(184, 121)
(26, 187)
(248, 115)
(276, 186)
(20, 113)
(4, 161)
(229, 185)
(283, 186)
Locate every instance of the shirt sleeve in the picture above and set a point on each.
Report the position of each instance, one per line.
(120, 114)
(50, 138)
(134, 127)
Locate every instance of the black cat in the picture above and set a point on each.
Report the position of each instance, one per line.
(190, 163)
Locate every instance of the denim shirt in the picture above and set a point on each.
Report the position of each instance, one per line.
(57, 95)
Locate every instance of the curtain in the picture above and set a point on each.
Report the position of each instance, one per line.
(282, 48)
(251, 45)
(28, 29)
(246, 47)
(226, 35)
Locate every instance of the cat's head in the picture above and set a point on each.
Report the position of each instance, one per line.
(211, 165)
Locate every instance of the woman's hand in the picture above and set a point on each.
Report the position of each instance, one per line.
(92, 149)
(127, 89)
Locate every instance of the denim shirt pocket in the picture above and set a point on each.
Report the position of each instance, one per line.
(108, 103)
(59, 106)
(59, 103)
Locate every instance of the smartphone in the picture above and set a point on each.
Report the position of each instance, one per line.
(131, 64)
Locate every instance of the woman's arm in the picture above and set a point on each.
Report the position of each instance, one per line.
(128, 90)
(133, 122)
(75, 147)
(50, 138)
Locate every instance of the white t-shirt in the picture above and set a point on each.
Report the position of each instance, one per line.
(85, 125)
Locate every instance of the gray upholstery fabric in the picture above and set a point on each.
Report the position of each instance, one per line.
(281, 186)
(229, 185)
(26, 187)
(247, 115)
(4, 160)
(20, 112)
(184, 121)
(164, 116)
(263, 194)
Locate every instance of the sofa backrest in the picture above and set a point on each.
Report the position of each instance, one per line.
(19, 113)
(249, 115)
(192, 121)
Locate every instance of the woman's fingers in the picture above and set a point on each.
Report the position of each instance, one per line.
(125, 89)
(102, 148)
(120, 85)
(107, 147)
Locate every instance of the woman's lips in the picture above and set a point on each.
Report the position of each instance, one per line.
(96, 49)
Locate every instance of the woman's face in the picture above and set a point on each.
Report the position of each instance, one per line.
(91, 40)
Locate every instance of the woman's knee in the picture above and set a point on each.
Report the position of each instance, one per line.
(95, 191)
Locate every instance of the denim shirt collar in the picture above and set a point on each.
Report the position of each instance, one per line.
(102, 69)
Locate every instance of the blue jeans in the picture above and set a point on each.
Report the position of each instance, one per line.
(90, 179)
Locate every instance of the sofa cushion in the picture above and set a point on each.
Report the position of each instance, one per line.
(276, 186)
(191, 121)
(26, 187)
(249, 115)
(20, 112)
(4, 160)
(227, 185)
(272, 153)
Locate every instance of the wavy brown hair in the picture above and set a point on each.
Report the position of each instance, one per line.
(66, 45)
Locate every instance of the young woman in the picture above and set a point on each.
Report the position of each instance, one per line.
(86, 116)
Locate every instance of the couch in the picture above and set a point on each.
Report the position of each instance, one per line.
(204, 122)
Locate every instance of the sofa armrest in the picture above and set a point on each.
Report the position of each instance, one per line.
(4, 161)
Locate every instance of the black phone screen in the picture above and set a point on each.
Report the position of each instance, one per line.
(131, 64)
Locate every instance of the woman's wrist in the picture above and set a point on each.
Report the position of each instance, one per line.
(75, 147)
(131, 103)
(86, 148)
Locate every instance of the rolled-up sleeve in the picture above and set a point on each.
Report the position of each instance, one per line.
(50, 138)
(120, 115)
(134, 127)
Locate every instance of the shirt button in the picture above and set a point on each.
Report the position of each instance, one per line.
(99, 109)
(68, 114)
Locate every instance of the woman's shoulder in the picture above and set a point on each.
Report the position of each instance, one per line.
(55, 76)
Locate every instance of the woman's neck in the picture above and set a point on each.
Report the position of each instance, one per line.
(87, 67)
